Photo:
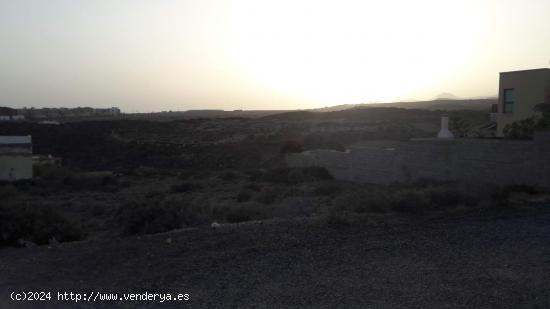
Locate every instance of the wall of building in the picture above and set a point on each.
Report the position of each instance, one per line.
(490, 161)
(15, 157)
(15, 167)
(531, 87)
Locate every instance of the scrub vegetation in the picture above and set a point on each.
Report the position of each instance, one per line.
(65, 205)
(121, 178)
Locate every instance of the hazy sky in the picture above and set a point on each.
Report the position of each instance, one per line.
(175, 55)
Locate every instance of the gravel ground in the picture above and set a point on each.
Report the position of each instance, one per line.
(475, 261)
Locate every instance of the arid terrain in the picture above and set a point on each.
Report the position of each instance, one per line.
(208, 208)
(274, 154)
(478, 260)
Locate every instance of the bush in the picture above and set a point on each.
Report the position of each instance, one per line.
(51, 172)
(252, 187)
(239, 213)
(153, 194)
(316, 173)
(522, 129)
(269, 196)
(411, 202)
(228, 176)
(446, 197)
(8, 191)
(296, 175)
(254, 175)
(185, 187)
(326, 190)
(148, 218)
(411, 199)
(276, 175)
(35, 224)
(336, 218)
(364, 201)
(145, 171)
(501, 195)
(244, 196)
(92, 182)
(290, 147)
(161, 216)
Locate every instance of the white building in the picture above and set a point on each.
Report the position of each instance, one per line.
(15, 157)
(519, 93)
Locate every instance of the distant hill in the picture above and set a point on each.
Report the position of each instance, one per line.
(439, 104)
(369, 114)
(206, 113)
(335, 108)
(483, 105)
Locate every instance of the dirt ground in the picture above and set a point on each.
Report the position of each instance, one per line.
(492, 260)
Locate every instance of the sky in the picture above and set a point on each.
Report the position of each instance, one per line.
(161, 55)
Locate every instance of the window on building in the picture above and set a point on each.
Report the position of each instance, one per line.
(508, 100)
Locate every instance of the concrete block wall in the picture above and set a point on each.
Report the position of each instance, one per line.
(489, 161)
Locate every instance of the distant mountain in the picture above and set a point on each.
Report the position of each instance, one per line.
(446, 95)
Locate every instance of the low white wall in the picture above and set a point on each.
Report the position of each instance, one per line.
(15, 167)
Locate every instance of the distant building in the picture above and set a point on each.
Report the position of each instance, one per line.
(18, 118)
(49, 122)
(15, 157)
(46, 160)
(10, 114)
(113, 111)
(518, 93)
(56, 114)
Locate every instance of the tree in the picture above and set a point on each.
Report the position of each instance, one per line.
(459, 126)
(524, 129)
(544, 121)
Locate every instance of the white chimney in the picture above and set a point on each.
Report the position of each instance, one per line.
(444, 132)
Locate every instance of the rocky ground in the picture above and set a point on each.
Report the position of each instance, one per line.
(496, 260)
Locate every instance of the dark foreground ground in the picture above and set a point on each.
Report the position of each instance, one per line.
(475, 261)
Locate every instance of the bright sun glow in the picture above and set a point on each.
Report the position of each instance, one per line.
(354, 51)
(262, 54)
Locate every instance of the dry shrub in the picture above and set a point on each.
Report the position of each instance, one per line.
(296, 175)
(234, 213)
(244, 196)
(153, 216)
(411, 201)
(363, 201)
(37, 224)
(186, 186)
(326, 190)
(269, 195)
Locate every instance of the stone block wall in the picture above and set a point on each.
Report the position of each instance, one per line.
(489, 161)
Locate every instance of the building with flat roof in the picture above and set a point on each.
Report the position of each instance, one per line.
(518, 93)
(15, 157)
(10, 114)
